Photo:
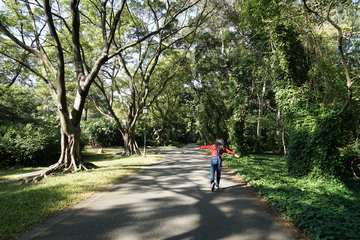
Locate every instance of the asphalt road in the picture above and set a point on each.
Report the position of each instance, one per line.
(170, 199)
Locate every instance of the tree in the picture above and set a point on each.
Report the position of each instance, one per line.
(346, 42)
(138, 76)
(220, 103)
(51, 33)
(171, 118)
(327, 129)
(11, 72)
(310, 53)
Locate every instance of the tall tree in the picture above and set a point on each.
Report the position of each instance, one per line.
(141, 73)
(310, 51)
(218, 50)
(335, 14)
(51, 33)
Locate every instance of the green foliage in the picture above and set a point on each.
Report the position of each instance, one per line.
(327, 139)
(102, 132)
(17, 104)
(31, 144)
(239, 83)
(299, 154)
(216, 55)
(171, 121)
(25, 140)
(323, 209)
(290, 64)
(316, 146)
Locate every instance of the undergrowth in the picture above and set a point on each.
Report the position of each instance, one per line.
(322, 208)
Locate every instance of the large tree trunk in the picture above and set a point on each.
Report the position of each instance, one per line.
(130, 145)
(70, 151)
(70, 158)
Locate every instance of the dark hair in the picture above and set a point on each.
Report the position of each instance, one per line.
(219, 144)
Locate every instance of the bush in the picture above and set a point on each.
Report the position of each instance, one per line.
(317, 145)
(31, 144)
(102, 132)
(322, 208)
(299, 154)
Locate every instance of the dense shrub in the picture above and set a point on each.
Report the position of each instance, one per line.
(25, 140)
(102, 132)
(299, 153)
(317, 146)
(31, 144)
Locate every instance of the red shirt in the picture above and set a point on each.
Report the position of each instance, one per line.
(213, 150)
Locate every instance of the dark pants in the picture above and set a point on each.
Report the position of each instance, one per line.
(215, 167)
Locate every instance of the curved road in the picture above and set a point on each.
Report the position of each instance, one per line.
(170, 199)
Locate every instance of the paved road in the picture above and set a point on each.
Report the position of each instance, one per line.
(170, 200)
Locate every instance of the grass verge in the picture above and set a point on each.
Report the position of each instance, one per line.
(323, 209)
(25, 206)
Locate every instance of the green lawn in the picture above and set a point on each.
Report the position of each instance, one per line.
(25, 206)
(323, 209)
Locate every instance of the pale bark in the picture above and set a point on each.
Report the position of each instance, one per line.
(261, 109)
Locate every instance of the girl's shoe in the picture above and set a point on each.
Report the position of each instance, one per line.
(216, 187)
(212, 186)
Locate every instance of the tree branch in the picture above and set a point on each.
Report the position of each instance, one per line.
(349, 81)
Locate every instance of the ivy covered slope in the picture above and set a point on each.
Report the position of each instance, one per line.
(322, 208)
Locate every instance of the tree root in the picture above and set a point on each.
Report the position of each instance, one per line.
(57, 168)
(87, 165)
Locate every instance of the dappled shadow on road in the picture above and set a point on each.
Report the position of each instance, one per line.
(171, 200)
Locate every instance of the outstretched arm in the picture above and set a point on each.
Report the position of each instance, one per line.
(205, 147)
(230, 152)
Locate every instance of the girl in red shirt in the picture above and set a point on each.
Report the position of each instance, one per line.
(216, 152)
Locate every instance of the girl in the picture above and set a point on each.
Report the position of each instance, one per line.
(216, 152)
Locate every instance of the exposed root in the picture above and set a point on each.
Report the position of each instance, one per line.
(10, 181)
(37, 176)
(123, 154)
(87, 165)
(57, 168)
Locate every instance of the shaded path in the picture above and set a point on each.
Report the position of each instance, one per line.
(170, 199)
